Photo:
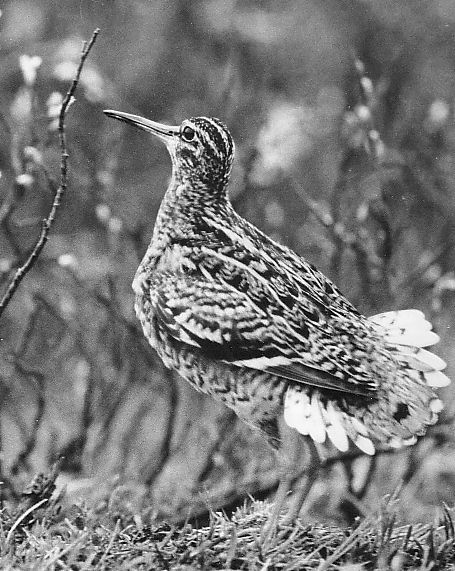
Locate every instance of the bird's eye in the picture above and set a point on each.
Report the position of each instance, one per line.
(188, 134)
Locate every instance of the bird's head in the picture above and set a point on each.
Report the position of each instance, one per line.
(201, 149)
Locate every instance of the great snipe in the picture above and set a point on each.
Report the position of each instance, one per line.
(256, 326)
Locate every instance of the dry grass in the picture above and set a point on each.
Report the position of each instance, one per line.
(42, 533)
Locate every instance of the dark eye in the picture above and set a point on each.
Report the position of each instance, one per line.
(188, 134)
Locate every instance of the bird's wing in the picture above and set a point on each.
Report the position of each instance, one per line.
(290, 275)
(228, 325)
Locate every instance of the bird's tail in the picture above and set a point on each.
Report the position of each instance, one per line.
(406, 333)
(408, 403)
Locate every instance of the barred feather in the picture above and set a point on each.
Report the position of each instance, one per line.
(247, 320)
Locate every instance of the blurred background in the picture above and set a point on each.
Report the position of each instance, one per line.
(343, 117)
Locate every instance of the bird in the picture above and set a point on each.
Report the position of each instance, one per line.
(256, 326)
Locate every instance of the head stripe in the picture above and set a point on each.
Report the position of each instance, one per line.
(207, 160)
(215, 135)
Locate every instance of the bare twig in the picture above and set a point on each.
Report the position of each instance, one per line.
(106, 303)
(48, 222)
(337, 230)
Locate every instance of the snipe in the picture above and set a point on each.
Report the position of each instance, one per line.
(256, 326)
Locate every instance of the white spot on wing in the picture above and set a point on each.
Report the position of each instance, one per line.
(262, 363)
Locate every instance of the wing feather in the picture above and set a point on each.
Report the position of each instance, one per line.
(227, 325)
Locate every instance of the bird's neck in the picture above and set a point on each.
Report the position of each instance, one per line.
(180, 214)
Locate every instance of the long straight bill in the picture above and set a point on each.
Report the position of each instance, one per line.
(164, 132)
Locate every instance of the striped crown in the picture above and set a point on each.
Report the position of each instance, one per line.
(203, 154)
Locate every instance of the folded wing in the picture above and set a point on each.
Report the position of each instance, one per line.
(226, 325)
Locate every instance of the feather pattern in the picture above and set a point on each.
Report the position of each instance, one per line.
(250, 322)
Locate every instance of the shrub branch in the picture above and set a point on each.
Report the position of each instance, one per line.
(59, 193)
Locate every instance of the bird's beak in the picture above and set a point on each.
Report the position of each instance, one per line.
(163, 132)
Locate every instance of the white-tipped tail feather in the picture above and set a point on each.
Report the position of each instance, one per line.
(437, 379)
(334, 426)
(405, 333)
(310, 416)
(420, 359)
(365, 445)
(407, 327)
(317, 428)
(297, 411)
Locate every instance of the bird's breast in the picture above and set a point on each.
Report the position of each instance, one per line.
(175, 260)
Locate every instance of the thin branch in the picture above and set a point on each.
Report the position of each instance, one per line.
(105, 302)
(337, 230)
(48, 222)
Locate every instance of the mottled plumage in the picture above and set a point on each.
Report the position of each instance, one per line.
(250, 322)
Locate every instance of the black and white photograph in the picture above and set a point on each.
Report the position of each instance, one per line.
(227, 285)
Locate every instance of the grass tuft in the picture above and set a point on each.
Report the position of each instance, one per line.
(43, 533)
